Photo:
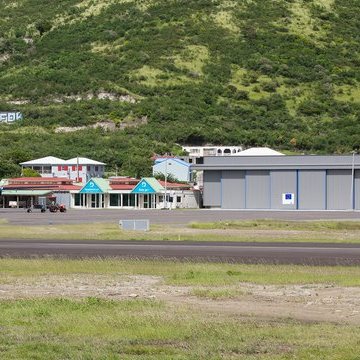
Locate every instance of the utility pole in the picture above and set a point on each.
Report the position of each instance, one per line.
(165, 200)
(77, 166)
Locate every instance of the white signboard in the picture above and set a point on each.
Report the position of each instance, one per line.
(10, 117)
(13, 204)
(288, 199)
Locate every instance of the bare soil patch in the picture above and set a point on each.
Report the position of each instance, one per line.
(299, 302)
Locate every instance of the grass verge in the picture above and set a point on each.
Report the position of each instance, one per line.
(184, 273)
(242, 231)
(216, 294)
(279, 225)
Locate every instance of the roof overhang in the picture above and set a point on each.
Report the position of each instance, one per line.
(26, 192)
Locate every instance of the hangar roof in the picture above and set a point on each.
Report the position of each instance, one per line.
(291, 162)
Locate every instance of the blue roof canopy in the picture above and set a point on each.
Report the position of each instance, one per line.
(147, 186)
(91, 187)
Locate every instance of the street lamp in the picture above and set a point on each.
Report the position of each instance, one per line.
(166, 175)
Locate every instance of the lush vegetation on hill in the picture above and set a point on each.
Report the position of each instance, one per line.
(282, 73)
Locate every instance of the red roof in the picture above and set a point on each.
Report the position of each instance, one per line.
(69, 187)
(123, 180)
(60, 187)
(174, 185)
(40, 179)
(42, 183)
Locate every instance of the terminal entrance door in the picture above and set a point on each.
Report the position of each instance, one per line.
(149, 201)
(146, 201)
(97, 200)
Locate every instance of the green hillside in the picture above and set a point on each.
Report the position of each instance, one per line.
(281, 73)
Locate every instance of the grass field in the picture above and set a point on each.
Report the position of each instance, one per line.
(100, 329)
(95, 327)
(243, 231)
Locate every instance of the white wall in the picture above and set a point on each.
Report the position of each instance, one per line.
(84, 174)
(189, 199)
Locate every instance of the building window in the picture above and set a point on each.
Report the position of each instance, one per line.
(132, 200)
(47, 170)
(88, 168)
(77, 199)
(178, 199)
(59, 167)
(65, 167)
(161, 198)
(115, 199)
(73, 168)
(96, 168)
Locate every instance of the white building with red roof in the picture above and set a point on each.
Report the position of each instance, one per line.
(26, 192)
(97, 193)
(79, 169)
(130, 193)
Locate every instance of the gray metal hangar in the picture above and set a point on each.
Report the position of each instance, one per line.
(308, 182)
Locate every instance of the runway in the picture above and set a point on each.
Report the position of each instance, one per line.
(269, 253)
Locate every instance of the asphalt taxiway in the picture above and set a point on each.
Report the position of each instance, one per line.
(273, 253)
(21, 217)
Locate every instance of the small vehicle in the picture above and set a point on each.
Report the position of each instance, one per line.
(57, 207)
(40, 207)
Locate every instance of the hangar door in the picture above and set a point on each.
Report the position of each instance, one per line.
(233, 189)
(339, 194)
(212, 188)
(257, 189)
(283, 182)
(312, 189)
(357, 190)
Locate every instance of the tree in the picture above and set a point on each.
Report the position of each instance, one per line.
(42, 26)
(27, 172)
(8, 169)
(170, 177)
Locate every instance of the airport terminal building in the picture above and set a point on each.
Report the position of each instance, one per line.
(308, 182)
